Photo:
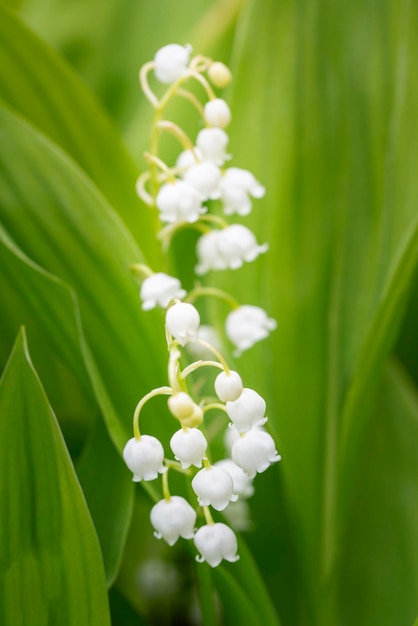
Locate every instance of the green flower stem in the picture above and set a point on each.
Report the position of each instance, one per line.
(166, 391)
(197, 364)
(212, 291)
(216, 352)
(208, 516)
(179, 134)
(214, 405)
(166, 490)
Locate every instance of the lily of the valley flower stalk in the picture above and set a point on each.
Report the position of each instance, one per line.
(183, 195)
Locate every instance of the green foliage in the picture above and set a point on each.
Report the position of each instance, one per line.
(324, 103)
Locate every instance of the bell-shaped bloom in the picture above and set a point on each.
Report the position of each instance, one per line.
(182, 320)
(179, 202)
(227, 248)
(242, 483)
(172, 519)
(255, 451)
(187, 159)
(214, 487)
(237, 186)
(159, 289)
(247, 325)
(228, 386)
(247, 411)
(144, 457)
(205, 178)
(189, 446)
(170, 62)
(217, 113)
(237, 244)
(216, 542)
(212, 144)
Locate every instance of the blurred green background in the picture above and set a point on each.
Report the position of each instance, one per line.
(324, 101)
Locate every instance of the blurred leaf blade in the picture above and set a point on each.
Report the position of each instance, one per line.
(101, 472)
(52, 563)
(38, 83)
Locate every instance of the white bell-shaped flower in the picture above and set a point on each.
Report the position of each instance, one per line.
(205, 178)
(182, 320)
(144, 457)
(159, 289)
(216, 542)
(255, 451)
(247, 411)
(217, 113)
(172, 519)
(187, 159)
(237, 244)
(247, 325)
(214, 487)
(228, 386)
(237, 186)
(212, 144)
(189, 446)
(171, 62)
(243, 485)
(208, 253)
(179, 202)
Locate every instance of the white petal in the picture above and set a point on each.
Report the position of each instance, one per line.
(171, 62)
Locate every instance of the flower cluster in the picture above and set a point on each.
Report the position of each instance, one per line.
(182, 195)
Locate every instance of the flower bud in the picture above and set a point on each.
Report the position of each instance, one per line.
(182, 320)
(181, 405)
(217, 113)
(219, 75)
(228, 386)
(144, 457)
(189, 447)
(159, 289)
(247, 411)
(172, 519)
(216, 542)
(254, 451)
(247, 325)
(195, 419)
(171, 62)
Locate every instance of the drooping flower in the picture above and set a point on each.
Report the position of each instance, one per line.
(216, 542)
(144, 457)
(205, 178)
(212, 144)
(189, 446)
(255, 451)
(217, 113)
(179, 202)
(182, 320)
(247, 411)
(171, 62)
(159, 289)
(227, 248)
(214, 487)
(243, 485)
(247, 325)
(172, 519)
(237, 185)
(228, 386)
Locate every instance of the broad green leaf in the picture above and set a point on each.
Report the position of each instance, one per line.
(328, 106)
(380, 550)
(101, 471)
(93, 256)
(52, 571)
(36, 82)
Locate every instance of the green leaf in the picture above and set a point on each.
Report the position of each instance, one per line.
(380, 549)
(52, 571)
(55, 307)
(93, 256)
(36, 82)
